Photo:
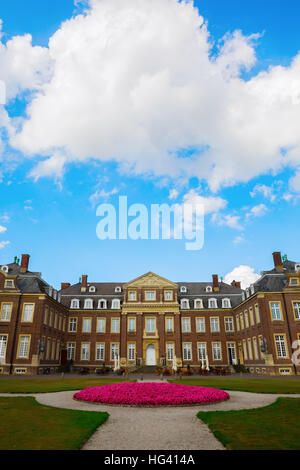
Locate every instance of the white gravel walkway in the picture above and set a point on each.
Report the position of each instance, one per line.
(163, 428)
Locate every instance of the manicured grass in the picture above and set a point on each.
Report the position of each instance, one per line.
(52, 385)
(27, 425)
(274, 427)
(246, 384)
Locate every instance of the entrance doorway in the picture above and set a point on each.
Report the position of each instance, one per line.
(150, 355)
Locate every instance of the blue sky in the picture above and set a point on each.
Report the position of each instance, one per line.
(51, 215)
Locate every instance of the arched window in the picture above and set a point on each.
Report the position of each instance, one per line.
(92, 289)
(208, 289)
(198, 303)
(184, 303)
(88, 303)
(4, 269)
(118, 289)
(212, 303)
(102, 303)
(226, 303)
(182, 289)
(74, 303)
(115, 304)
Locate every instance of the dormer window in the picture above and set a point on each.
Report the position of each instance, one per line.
(182, 289)
(102, 304)
(88, 303)
(247, 292)
(74, 303)
(252, 289)
(118, 289)
(9, 284)
(115, 304)
(4, 269)
(226, 303)
(92, 289)
(243, 296)
(185, 304)
(198, 303)
(208, 289)
(297, 267)
(212, 303)
(294, 281)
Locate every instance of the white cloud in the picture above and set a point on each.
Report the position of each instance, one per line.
(244, 274)
(135, 82)
(232, 221)
(239, 239)
(210, 204)
(266, 191)
(257, 211)
(2, 229)
(173, 194)
(101, 194)
(4, 244)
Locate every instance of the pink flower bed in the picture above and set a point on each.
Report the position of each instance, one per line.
(151, 394)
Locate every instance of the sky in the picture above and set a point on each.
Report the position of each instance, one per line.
(164, 102)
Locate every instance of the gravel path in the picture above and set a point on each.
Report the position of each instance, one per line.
(163, 428)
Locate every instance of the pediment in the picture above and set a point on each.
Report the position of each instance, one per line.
(151, 280)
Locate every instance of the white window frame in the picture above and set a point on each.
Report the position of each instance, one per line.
(226, 301)
(186, 324)
(212, 303)
(200, 301)
(101, 321)
(187, 351)
(85, 351)
(100, 307)
(100, 351)
(6, 315)
(214, 323)
(184, 304)
(75, 303)
(116, 304)
(88, 304)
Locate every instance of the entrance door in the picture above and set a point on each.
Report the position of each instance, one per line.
(150, 355)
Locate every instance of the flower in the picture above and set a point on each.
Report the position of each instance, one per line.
(151, 394)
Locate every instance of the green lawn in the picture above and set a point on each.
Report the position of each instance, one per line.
(246, 384)
(27, 425)
(274, 427)
(51, 385)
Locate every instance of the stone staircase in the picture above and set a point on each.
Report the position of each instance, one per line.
(147, 370)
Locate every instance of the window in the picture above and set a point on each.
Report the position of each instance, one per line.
(131, 324)
(28, 312)
(74, 303)
(71, 351)
(102, 304)
(92, 289)
(53, 350)
(150, 325)
(85, 351)
(229, 324)
(250, 349)
(60, 322)
(100, 352)
(296, 307)
(200, 325)
(100, 325)
(216, 349)
(6, 312)
(46, 312)
(150, 295)
(23, 350)
(86, 325)
(237, 323)
(57, 350)
(4, 269)
(231, 352)
(294, 281)
(48, 348)
(169, 325)
(212, 303)
(186, 325)
(118, 289)
(214, 324)
(226, 303)
(115, 325)
(168, 295)
(187, 351)
(184, 304)
(131, 351)
(132, 295)
(170, 351)
(9, 284)
(251, 316)
(201, 351)
(281, 346)
(88, 303)
(115, 304)
(242, 321)
(182, 289)
(208, 289)
(72, 324)
(275, 310)
(245, 350)
(55, 321)
(114, 351)
(257, 315)
(246, 319)
(198, 303)
(255, 348)
(3, 344)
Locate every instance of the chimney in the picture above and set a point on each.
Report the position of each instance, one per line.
(277, 261)
(84, 283)
(64, 285)
(236, 284)
(24, 263)
(215, 282)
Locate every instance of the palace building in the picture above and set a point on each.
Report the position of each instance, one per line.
(150, 321)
